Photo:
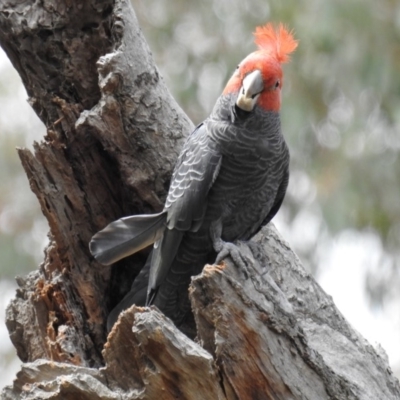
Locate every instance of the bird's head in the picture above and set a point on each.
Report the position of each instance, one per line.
(258, 78)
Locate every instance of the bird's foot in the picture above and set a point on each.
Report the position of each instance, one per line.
(225, 249)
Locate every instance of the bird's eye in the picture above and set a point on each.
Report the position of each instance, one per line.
(277, 84)
(237, 67)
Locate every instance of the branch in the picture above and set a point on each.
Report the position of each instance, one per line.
(269, 332)
(109, 151)
(277, 333)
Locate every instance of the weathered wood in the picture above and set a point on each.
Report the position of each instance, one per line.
(266, 333)
(275, 334)
(113, 134)
(164, 362)
(146, 357)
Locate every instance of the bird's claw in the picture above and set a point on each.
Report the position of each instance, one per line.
(230, 249)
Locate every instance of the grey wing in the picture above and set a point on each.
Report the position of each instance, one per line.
(195, 172)
(193, 177)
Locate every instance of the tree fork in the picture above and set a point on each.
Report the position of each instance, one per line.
(113, 135)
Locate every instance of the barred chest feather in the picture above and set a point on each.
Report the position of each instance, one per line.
(255, 159)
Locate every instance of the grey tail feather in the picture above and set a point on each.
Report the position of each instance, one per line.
(151, 296)
(127, 236)
(163, 255)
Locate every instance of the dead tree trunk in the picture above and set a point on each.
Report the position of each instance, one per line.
(113, 134)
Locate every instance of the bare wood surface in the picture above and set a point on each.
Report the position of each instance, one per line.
(275, 333)
(113, 135)
(114, 132)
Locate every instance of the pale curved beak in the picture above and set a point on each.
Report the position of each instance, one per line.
(251, 88)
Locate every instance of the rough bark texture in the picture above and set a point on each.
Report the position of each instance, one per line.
(114, 132)
(113, 135)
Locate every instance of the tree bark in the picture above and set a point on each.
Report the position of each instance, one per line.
(113, 135)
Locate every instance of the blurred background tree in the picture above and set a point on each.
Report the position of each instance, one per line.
(341, 119)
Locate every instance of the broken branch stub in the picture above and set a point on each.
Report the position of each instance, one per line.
(277, 335)
(146, 357)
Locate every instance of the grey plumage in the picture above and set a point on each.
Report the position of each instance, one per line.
(246, 189)
(126, 236)
(233, 169)
(230, 180)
